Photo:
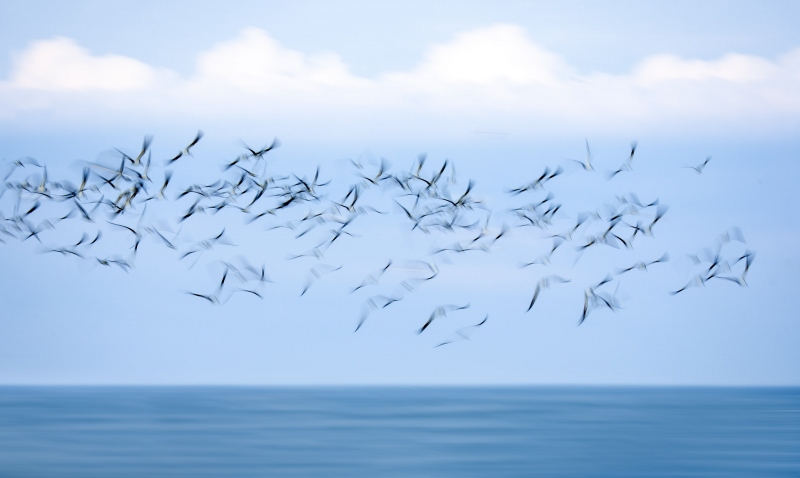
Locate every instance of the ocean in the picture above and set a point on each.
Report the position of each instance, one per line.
(399, 431)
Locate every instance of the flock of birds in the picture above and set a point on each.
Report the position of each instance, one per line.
(112, 197)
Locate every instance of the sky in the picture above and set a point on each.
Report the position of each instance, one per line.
(498, 94)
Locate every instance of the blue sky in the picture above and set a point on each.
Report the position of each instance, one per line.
(501, 92)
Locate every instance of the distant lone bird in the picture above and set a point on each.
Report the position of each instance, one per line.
(699, 168)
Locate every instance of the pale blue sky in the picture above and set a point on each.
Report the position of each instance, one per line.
(502, 91)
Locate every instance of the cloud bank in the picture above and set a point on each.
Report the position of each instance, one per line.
(490, 78)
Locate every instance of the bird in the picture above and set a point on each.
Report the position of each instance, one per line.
(187, 149)
(464, 333)
(545, 283)
(587, 164)
(642, 266)
(441, 311)
(699, 168)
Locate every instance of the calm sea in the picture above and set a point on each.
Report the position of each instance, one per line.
(388, 431)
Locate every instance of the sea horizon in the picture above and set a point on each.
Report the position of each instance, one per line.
(400, 385)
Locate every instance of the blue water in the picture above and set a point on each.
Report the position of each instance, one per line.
(387, 431)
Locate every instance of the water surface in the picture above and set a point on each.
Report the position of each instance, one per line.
(399, 431)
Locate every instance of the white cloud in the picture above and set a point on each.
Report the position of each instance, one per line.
(255, 62)
(496, 55)
(732, 67)
(61, 64)
(490, 78)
